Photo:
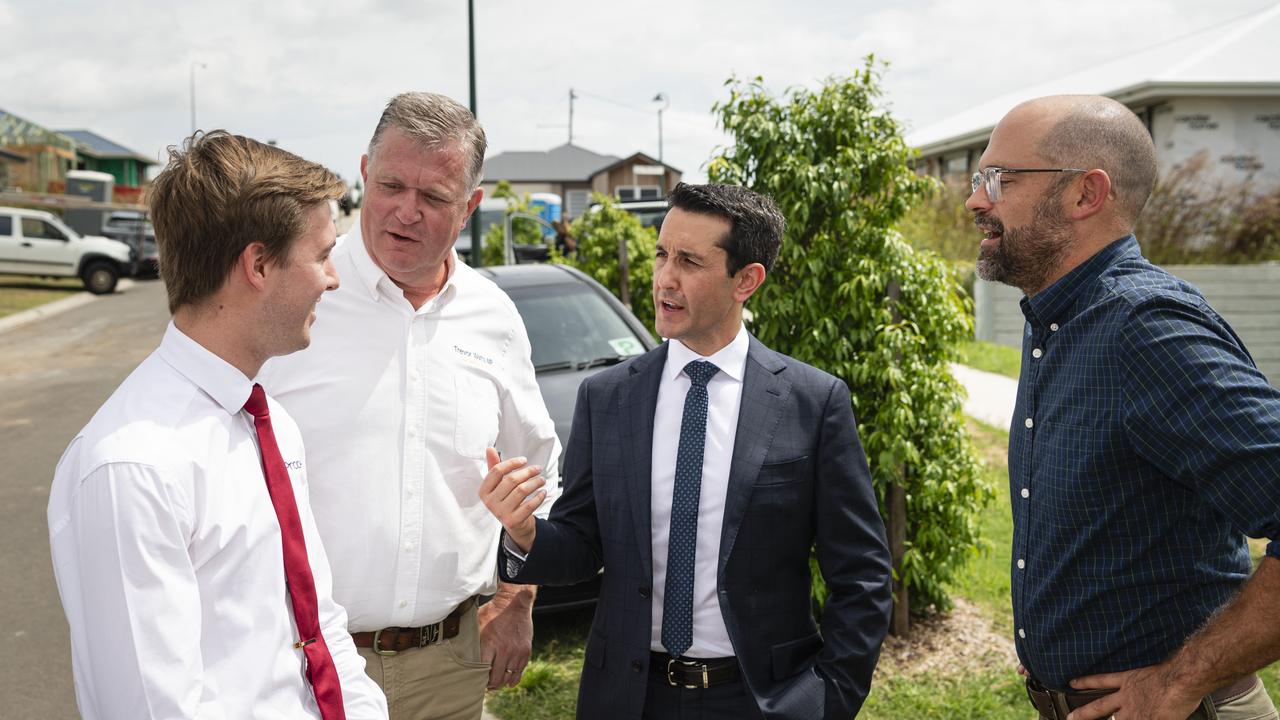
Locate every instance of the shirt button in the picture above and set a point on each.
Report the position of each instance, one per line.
(1036, 353)
(404, 603)
(1029, 423)
(408, 546)
(1053, 327)
(1026, 493)
(1022, 633)
(636, 665)
(1021, 563)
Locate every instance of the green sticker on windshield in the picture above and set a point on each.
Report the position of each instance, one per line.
(626, 346)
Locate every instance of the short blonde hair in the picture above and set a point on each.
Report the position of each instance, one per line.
(219, 194)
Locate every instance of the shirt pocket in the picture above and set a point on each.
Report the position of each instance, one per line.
(475, 415)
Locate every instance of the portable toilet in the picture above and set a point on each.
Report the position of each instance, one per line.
(95, 186)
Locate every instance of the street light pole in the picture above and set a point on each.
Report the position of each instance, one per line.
(193, 63)
(662, 98)
(193, 92)
(477, 249)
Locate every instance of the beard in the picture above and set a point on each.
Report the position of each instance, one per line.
(1025, 256)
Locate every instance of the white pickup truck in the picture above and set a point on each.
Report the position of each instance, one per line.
(34, 242)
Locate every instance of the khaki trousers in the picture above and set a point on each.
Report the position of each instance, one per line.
(444, 681)
(1253, 705)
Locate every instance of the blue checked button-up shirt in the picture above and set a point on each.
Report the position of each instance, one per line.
(1144, 445)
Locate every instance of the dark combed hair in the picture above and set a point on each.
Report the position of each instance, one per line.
(220, 193)
(756, 224)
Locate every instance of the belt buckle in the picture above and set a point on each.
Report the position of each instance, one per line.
(377, 645)
(430, 634)
(671, 680)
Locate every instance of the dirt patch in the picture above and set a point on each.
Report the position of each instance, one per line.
(960, 642)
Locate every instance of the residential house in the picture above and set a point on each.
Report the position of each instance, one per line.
(573, 173)
(1213, 95)
(8, 158)
(47, 154)
(95, 152)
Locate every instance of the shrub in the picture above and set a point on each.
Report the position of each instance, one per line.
(836, 164)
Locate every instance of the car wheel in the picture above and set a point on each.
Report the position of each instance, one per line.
(100, 278)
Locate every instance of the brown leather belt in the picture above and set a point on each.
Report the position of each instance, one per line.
(392, 640)
(693, 673)
(1055, 705)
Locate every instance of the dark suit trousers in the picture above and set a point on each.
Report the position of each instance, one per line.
(730, 701)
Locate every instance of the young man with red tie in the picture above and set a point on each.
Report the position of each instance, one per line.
(186, 555)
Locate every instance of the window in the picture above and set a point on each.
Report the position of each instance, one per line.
(6, 225)
(37, 228)
(639, 192)
(576, 202)
(570, 325)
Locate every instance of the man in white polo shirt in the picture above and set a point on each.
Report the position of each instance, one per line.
(186, 556)
(418, 364)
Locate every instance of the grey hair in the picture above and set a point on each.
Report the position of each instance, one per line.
(433, 120)
(1098, 132)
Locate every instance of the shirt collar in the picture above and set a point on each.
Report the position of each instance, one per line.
(373, 280)
(731, 359)
(218, 378)
(1056, 303)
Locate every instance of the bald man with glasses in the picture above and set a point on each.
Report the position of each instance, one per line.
(1145, 443)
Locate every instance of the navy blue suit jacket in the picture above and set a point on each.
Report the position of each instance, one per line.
(798, 480)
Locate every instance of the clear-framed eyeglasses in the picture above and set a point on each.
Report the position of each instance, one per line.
(989, 178)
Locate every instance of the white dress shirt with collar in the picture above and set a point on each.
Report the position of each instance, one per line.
(397, 406)
(168, 556)
(724, 399)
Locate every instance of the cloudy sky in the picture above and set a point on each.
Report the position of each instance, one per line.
(314, 74)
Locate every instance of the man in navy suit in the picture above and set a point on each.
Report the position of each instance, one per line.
(699, 476)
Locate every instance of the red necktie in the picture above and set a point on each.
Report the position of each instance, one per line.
(297, 570)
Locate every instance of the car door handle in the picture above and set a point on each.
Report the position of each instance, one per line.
(26, 244)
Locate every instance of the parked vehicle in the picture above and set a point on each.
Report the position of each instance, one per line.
(132, 228)
(576, 329)
(651, 213)
(35, 242)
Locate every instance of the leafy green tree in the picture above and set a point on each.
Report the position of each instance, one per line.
(523, 230)
(849, 295)
(599, 234)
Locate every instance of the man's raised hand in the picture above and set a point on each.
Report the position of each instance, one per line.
(512, 490)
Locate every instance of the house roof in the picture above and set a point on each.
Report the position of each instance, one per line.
(1235, 58)
(12, 156)
(635, 157)
(566, 163)
(94, 145)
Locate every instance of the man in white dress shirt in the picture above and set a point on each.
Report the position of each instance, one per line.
(171, 521)
(418, 364)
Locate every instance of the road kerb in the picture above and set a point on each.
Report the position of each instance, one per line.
(57, 307)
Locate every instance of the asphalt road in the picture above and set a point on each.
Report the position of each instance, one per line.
(54, 374)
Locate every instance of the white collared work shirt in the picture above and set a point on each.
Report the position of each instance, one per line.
(168, 558)
(397, 406)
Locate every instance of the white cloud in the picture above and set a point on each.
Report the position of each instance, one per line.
(314, 75)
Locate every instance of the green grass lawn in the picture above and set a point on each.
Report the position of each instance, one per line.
(19, 292)
(991, 357)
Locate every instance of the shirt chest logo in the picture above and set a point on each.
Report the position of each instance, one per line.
(473, 357)
(293, 464)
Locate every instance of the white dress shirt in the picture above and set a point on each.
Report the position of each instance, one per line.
(168, 556)
(397, 406)
(724, 399)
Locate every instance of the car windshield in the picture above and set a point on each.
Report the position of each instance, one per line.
(572, 327)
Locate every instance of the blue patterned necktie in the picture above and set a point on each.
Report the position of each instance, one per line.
(677, 603)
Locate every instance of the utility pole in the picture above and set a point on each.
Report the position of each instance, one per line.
(572, 97)
(477, 254)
